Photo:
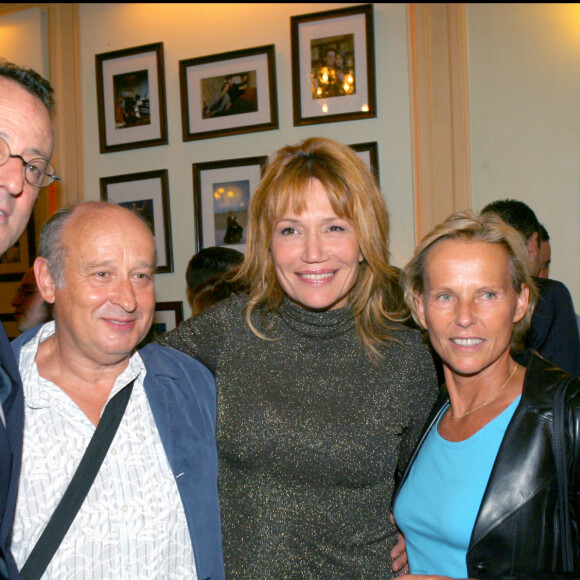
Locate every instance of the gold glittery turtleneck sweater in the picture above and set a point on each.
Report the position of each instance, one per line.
(310, 434)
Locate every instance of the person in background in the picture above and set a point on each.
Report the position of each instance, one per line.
(479, 498)
(546, 260)
(206, 264)
(26, 146)
(213, 290)
(152, 510)
(322, 391)
(30, 309)
(545, 253)
(553, 331)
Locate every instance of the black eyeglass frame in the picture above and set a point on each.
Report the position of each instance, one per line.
(30, 164)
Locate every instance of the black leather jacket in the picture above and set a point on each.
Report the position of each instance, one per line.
(516, 532)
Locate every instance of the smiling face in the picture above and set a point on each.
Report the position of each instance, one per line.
(469, 305)
(25, 125)
(316, 254)
(105, 305)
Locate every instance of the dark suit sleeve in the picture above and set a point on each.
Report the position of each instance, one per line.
(554, 331)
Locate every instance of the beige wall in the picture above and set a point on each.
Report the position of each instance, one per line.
(524, 86)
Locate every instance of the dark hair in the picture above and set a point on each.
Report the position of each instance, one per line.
(31, 81)
(211, 291)
(517, 214)
(544, 235)
(209, 262)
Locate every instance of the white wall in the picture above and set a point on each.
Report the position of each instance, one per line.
(192, 30)
(524, 63)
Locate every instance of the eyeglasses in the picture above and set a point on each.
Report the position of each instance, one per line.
(38, 172)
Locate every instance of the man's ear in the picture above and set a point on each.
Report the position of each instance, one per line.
(44, 280)
(533, 245)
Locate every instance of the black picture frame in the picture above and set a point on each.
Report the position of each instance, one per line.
(127, 119)
(214, 224)
(228, 93)
(323, 91)
(146, 192)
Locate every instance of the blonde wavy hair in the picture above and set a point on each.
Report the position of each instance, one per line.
(353, 192)
(468, 226)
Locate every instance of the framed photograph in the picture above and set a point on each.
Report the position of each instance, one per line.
(369, 153)
(221, 196)
(146, 193)
(168, 315)
(228, 93)
(19, 257)
(333, 65)
(131, 98)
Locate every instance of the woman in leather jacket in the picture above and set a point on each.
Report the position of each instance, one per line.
(479, 497)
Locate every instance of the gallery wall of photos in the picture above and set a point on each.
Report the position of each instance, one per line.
(234, 108)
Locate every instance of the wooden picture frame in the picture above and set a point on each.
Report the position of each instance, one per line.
(369, 153)
(323, 90)
(20, 257)
(131, 99)
(228, 93)
(221, 195)
(148, 193)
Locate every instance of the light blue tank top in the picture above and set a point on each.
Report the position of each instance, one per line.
(438, 503)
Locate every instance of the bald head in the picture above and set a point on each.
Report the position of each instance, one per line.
(80, 217)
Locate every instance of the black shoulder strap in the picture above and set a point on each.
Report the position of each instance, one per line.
(78, 488)
(559, 448)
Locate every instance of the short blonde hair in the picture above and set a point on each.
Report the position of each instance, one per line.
(354, 194)
(468, 226)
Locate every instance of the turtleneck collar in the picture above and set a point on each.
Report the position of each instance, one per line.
(324, 324)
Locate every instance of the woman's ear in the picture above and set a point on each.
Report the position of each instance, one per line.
(420, 308)
(522, 303)
(44, 280)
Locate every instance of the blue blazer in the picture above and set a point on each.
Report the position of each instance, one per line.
(182, 396)
(10, 451)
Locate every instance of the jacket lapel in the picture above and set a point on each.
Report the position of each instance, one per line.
(524, 453)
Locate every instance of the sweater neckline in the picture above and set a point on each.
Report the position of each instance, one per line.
(327, 323)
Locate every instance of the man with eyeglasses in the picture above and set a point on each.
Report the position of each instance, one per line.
(26, 146)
